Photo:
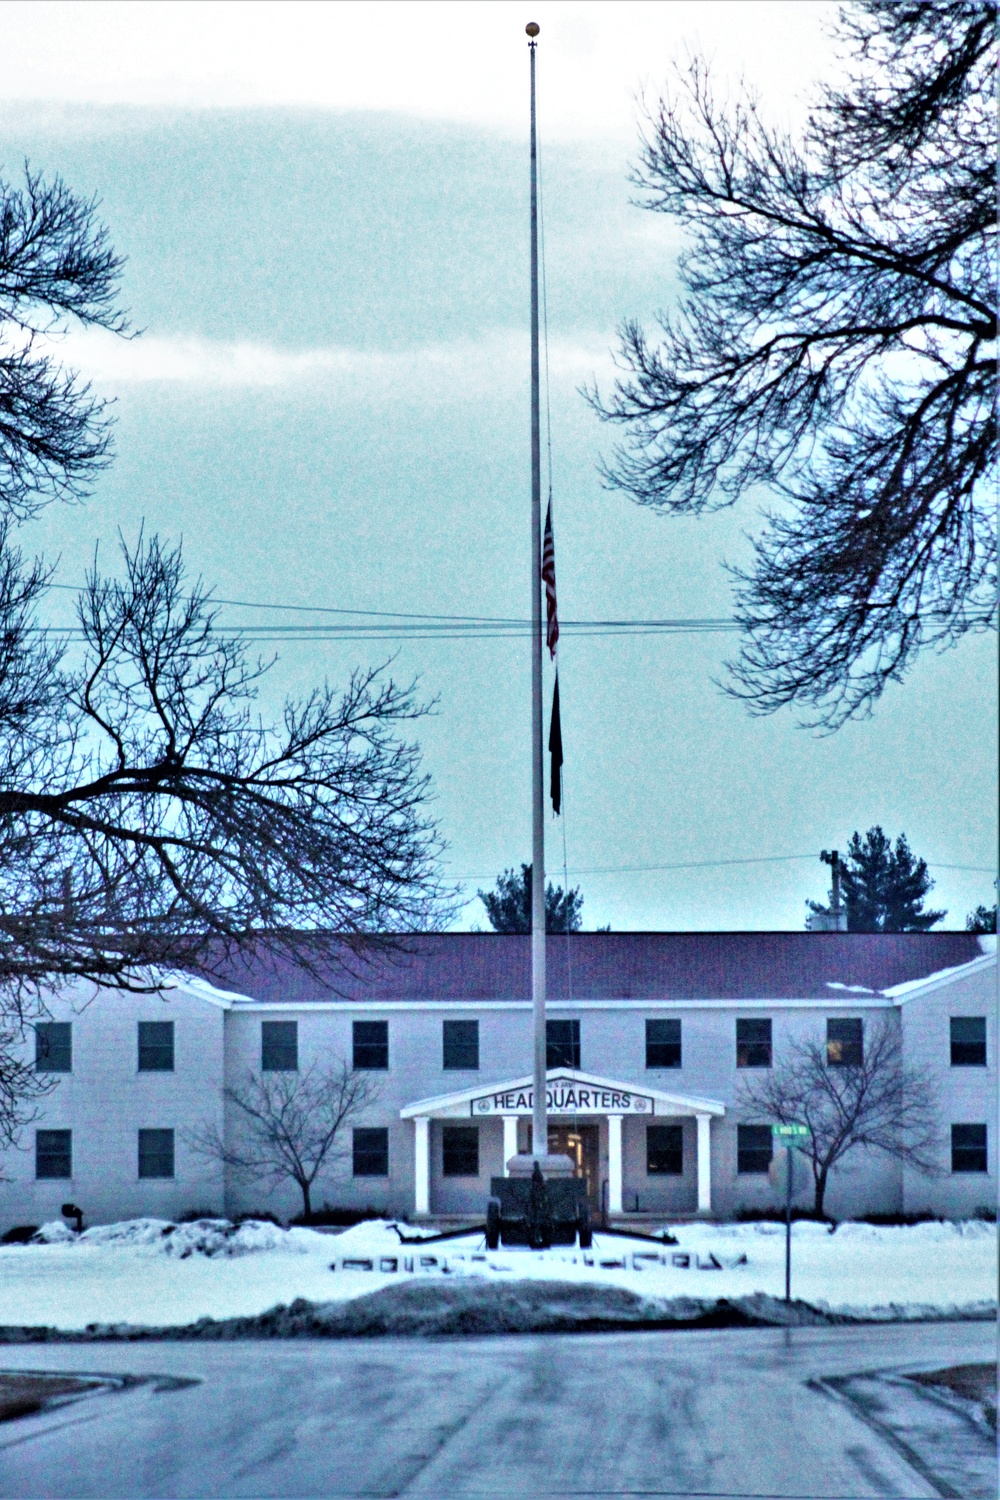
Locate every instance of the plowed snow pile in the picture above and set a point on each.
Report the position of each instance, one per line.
(151, 1272)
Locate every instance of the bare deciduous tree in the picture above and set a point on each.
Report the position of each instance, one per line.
(289, 1125)
(879, 1103)
(836, 344)
(21, 1087)
(149, 816)
(56, 267)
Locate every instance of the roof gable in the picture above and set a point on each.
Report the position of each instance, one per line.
(600, 1095)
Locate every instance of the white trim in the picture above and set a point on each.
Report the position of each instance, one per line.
(899, 994)
(614, 1164)
(704, 1164)
(200, 989)
(457, 1104)
(509, 1140)
(421, 1166)
(453, 1007)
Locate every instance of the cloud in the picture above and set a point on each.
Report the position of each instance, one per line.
(432, 371)
(430, 58)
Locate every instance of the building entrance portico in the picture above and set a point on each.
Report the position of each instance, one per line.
(582, 1108)
(582, 1144)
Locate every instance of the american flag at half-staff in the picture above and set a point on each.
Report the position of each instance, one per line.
(549, 579)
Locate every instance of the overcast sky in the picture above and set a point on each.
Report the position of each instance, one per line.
(324, 208)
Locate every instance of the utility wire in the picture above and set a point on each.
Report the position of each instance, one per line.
(583, 629)
(402, 624)
(712, 864)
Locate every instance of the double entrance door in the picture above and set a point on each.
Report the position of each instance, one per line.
(581, 1143)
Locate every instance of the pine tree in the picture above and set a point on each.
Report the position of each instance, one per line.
(509, 906)
(884, 888)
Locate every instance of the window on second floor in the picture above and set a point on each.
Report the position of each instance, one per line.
(663, 1044)
(562, 1044)
(968, 1041)
(460, 1042)
(54, 1047)
(279, 1046)
(371, 1045)
(845, 1042)
(753, 1042)
(156, 1046)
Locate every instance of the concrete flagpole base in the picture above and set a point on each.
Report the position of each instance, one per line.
(550, 1163)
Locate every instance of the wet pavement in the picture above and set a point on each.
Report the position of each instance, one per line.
(757, 1412)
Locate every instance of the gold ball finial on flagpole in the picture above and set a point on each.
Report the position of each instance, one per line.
(532, 29)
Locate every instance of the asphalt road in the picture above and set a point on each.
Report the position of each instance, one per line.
(720, 1413)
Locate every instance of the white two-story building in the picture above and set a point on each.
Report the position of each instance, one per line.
(650, 1036)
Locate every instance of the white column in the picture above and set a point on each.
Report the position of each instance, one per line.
(614, 1164)
(422, 1166)
(509, 1140)
(704, 1165)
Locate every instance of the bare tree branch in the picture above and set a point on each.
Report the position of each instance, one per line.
(835, 344)
(56, 267)
(881, 1104)
(290, 1125)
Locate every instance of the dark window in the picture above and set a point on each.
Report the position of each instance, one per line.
(54, 1048)
(968, 1041)
(461, 1044)
(156, 1046)
(460, 1151)
(562, 1044)
(53, 1153)
(371, 1044)
(844, 1043)
(753, 1148)
(663, 1044)
(156, 1153)
(279, 1046)
(665, 1150)
(753, 1044)
(968, 1148)
(371, 1152)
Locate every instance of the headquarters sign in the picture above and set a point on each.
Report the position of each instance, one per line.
(564, 1097)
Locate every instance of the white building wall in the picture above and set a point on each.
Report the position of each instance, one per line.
(105, 1101)
(967, 1095)
(613, 1041)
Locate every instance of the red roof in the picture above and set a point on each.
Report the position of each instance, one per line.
(465, 967)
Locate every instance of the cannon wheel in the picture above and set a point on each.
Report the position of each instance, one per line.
(493, 1223)
(584, 1227)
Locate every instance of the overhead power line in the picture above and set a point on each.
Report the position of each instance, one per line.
(449, 630)
(392, 624)
(712, 864)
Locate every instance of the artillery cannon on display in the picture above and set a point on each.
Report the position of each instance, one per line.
(538, 1208)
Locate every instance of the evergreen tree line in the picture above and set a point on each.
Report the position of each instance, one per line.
(882, 889)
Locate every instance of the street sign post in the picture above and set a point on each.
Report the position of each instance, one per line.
(788, 1137)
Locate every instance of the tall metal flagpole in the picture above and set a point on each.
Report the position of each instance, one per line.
(539, 1113)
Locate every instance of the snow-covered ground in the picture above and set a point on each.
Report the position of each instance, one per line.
(147, 1271)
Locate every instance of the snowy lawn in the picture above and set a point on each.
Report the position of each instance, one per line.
(149, 1272)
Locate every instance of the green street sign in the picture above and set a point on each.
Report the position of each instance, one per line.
(790, 1133)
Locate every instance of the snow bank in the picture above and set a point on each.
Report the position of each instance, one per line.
(151, 1272)
(209, 1237)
